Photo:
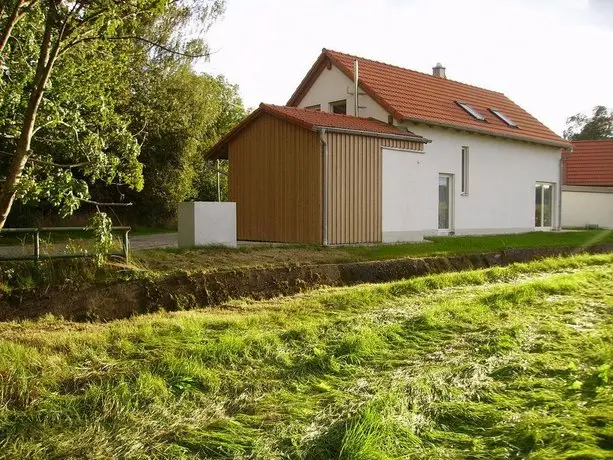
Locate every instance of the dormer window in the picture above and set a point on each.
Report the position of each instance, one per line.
(504, 118)
(471, 111)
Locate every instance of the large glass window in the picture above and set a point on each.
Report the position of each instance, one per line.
(444, 201)
(543, 205)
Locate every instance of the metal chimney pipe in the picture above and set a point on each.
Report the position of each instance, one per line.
(356, 96)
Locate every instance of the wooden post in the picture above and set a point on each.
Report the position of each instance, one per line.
(37, 245)
(126, 246)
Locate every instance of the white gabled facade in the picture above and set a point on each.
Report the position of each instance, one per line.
(502, 175)
(333, 85)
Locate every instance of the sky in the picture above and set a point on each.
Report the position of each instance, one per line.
(552, 57)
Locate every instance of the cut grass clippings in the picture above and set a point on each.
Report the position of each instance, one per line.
(510, 362)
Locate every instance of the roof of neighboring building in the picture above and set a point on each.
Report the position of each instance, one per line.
(591, 163)
(313, 120)
(414, 96)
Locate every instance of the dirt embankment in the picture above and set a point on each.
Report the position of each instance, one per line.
(183, 291)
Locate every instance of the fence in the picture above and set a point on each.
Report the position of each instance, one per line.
(37, 256)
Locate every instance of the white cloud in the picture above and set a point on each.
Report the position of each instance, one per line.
(602, 12)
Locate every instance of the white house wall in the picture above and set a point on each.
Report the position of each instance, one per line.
(409, 204)
(587, 206)
(502, 178)
(333, 85)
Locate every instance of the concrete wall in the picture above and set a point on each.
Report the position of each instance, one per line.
(500, 199)
(332, 85)
(207, 223)
(587, 206)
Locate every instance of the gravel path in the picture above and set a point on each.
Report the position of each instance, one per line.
(158, 240)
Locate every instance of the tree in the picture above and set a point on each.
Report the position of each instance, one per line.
(60, 126)
(179, 115)
(598, 126)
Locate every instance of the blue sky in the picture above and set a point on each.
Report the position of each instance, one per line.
(552, 57)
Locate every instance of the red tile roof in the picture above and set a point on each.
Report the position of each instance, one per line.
(310, 119)
(414, 96)
(591, 163)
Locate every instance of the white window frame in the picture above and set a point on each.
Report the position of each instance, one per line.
(314, 108)
(553, 207)
(465, 170)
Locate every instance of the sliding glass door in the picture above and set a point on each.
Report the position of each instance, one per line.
(543, 208)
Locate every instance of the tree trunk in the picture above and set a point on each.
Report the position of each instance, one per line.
(10, 23)
(46, 60)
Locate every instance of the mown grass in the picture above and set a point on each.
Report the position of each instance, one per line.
(510, 362)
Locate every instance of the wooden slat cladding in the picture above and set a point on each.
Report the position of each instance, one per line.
(354, 190)
(275, 180)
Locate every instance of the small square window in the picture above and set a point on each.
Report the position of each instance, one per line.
(314, 108)
(339, 107)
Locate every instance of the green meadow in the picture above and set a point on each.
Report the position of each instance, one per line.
(504, 363)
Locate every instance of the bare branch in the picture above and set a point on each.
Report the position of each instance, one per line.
(97, 203)
(51, 163)
(141, 39)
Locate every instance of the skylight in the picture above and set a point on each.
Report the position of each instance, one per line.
(504, 118)
(471, 110)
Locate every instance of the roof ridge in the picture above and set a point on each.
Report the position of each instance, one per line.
(326, 50)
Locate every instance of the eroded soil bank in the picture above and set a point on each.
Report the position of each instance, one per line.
(105, 302)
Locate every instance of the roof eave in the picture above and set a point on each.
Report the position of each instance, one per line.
(358, 132)
(219, 150)
(470, 129)
(309, 79)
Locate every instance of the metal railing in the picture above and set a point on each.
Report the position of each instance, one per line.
(37, 256)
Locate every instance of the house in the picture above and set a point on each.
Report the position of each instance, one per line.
(587, 191)
(416, 155)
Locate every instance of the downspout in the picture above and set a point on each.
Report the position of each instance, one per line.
(324, 148)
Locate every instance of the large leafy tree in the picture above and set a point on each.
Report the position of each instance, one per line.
(583, 127)
(178, 116)
(65, 68)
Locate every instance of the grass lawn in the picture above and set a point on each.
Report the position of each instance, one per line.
(503, 363)
(214, 258)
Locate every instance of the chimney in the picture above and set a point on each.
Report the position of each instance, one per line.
(439, 70)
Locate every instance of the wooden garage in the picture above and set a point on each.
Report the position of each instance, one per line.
(282, 191)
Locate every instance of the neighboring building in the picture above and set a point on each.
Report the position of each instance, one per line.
(587, 193)
(491, 167)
